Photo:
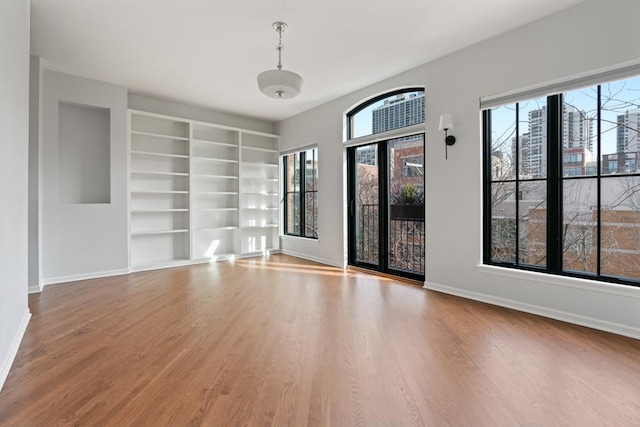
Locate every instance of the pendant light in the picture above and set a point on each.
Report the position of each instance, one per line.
(279, 84)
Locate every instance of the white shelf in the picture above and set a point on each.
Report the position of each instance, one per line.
(151, 232)
(159, 192)
(154, 154)
(215, 209)
(255, 178)
(213, 159)
(266, 150)
(217, 228)
(260, 194)
(215, 176)
(219, 192)
(260, 226)
(260, 209)
(159, 173)
(222, 144)
(158, 210)
(159, 135)
(262, 165)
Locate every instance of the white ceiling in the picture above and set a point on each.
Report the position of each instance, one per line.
(209, 52)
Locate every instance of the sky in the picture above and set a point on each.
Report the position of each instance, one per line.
(617, 98)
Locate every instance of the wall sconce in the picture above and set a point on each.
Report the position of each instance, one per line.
(446, 123)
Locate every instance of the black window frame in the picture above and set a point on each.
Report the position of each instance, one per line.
(301, 194)
(554, 183)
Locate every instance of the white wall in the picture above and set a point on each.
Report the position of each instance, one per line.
(587, 37)
(14, 144)
(35, 218)
(83, 239)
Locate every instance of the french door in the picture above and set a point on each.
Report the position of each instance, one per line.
(386, 206)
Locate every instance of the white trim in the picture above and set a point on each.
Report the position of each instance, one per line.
(563, 316)
(36, 289)
(313, 258)
(86, 276)
(5, 365)
(384, 136)
(610, 73)
(300, 239)
(572, 282)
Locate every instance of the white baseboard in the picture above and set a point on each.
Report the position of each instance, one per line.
(5, 364)
(563, 316)
(313, 258)
(220, 258)
(86, 276)
(36, 289)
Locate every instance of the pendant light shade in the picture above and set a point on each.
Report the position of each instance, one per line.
(279, 83)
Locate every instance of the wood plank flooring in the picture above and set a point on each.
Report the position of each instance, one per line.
(286, 342)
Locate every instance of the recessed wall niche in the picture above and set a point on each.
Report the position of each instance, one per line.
(84, 153)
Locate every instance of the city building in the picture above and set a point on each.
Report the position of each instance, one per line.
(401, 111)
(577, 132)
(628, 131)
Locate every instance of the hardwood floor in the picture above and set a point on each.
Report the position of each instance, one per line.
(288, 342)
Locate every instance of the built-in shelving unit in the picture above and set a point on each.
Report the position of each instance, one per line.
(200, 191)
(259, 212)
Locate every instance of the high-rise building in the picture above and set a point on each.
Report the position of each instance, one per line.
(523, 156)
(400, 111)
(536, 160)
(627, 132)
(577, 132)
(577, 129)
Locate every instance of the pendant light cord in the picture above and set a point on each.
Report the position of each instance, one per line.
(280, 47)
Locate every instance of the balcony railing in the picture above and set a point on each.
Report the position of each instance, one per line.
(406, 237)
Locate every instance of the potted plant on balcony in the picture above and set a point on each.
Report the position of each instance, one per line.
(408, 202)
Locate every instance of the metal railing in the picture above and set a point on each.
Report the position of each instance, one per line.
(406, 240)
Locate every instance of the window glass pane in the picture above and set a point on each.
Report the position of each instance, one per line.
(620, 219)
(620, 120)
(367, 188)
(532, 225)
(405, 172)
(394, 112)
(579, 117)
(310, 214)
(296, 173)
(503, 142)
(503, 222)
(310, 170)
(292, 213)
(579, 226)
(532, 129)
(290, 165)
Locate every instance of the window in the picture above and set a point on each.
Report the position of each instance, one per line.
(390, 111)
(561, 188)
(301, 193)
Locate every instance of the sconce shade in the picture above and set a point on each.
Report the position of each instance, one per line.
(446, 122)
(279, 84)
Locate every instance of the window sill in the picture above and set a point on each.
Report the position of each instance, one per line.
(299, 239)
(571, 282)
